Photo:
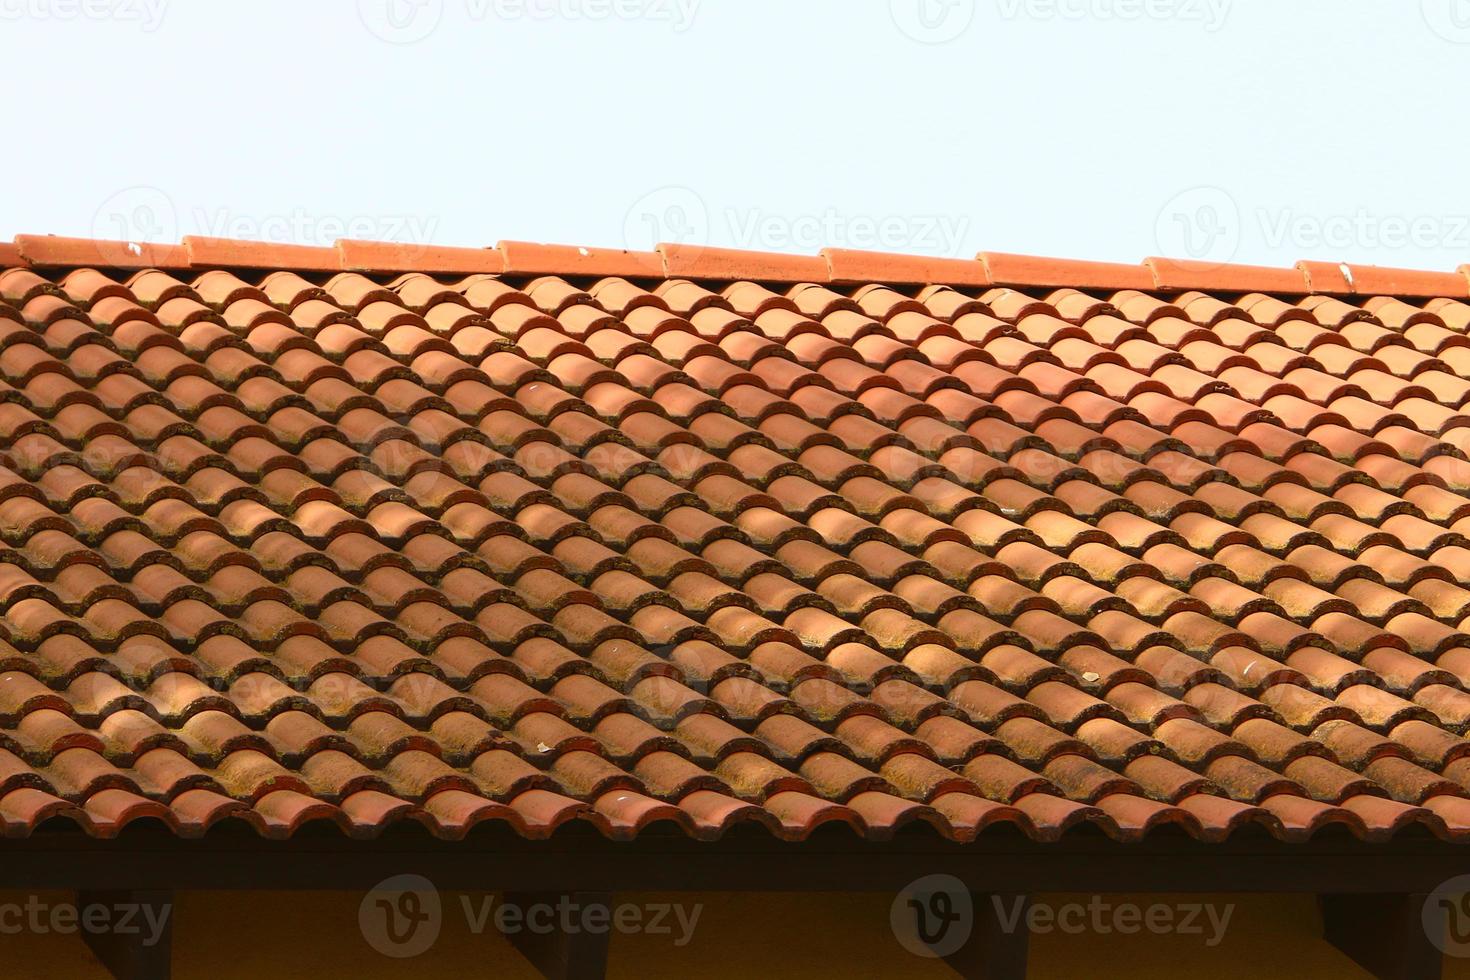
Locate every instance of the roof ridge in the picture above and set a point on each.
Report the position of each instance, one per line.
(830, 265)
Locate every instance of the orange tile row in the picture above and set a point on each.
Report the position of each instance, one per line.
(702, 262)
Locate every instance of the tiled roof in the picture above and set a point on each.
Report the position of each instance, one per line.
(540, 534)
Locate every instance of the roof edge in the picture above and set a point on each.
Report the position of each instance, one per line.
(693, 261)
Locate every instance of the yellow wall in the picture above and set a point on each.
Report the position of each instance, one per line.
(221, 936)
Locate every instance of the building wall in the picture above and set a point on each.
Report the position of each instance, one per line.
(223, 936)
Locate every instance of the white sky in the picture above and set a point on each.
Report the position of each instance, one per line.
(1254, 130)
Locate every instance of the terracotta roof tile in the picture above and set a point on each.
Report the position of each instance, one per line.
(50, 250)
(529, 258)
(851, 266)
(1373, 280)
(709, 263)
(1183, 274)
(384, 257)
(231, 253)
(1030, 270)
(378, 533)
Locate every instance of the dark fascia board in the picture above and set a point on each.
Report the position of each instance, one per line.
(148, 858)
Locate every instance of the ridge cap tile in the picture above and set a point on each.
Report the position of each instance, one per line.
(683, 261)
(1182, 275)
(1377, 280)
(209, 252)
(834, 265)
(1010, 269)
(1326, 277)
(538, 258)
(395, 257)
(56, 250)
(850, 266)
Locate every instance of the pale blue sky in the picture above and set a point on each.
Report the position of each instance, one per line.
(1253, 130)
